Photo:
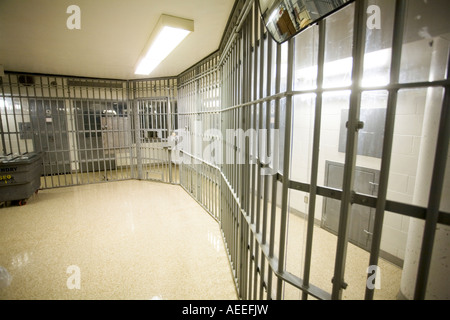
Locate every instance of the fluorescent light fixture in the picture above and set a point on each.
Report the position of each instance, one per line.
(167, 35)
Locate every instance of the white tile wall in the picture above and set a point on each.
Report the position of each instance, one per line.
(409, 124)
(406, 147)
(403, 144)
(398, 183)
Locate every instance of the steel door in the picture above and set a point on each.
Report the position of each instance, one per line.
(361, 217)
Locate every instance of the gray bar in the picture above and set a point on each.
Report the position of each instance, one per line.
(397, 44)
(137, 135)
(286, 169)
(274, 177)
(315, 158)
(435, 195)
(350, 156)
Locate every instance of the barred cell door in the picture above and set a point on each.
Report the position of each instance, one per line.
(154, 128)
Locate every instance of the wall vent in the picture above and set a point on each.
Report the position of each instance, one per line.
(26, 80)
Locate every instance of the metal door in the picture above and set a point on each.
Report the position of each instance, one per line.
(50, 136)
(361, 217)
(90, 146)
(154, 127)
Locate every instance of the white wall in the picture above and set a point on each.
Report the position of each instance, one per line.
(406, 144)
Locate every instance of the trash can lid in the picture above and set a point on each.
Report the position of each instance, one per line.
(18, 158)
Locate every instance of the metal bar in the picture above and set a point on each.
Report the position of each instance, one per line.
(397, 44)
(69, 124)
(268, 150)
(252, 120)
(274, 177)
(16, 129)
(72, 133)
(53, 132)
(96, 159)
(118, 133)
(164, 135)
(350, 156)
(434, 200)
(110, 147)
(39, 134)
(87, 131)
(22, 118)
(315, 157)
(286, 169)
(59, 154)
(157, 147)
(258, 177)
(170, 128)
(254, 110)
(48, 151)
(137, 135)
(131, 90)
(2, 131)
(405, 209)
(7, 117)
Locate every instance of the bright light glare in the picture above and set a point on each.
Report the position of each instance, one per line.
(164, 43)
(338, 72)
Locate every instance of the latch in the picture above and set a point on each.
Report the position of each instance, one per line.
(359, 125)
(369, 234)
(344, 284)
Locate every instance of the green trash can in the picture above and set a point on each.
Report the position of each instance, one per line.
(20, 177)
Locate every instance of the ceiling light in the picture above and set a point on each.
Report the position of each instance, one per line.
(167, 35)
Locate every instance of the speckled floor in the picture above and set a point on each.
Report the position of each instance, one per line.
(145, 240)
(323, 261)
(116, 240)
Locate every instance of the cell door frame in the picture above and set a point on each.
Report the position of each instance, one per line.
(153, 129)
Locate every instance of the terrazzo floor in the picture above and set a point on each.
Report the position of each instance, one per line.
(145, 240)
(116, 240)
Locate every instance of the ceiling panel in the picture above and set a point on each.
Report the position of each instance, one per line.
(34, 36)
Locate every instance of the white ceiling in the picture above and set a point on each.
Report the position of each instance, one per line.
(34, 37)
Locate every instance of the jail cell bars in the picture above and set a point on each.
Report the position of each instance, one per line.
(310, 198)
(202, 181)
(154, 133)
(323, 158)
(155, 120)
(91, 130)
(199, 133)
(155, 129)
(80, 126)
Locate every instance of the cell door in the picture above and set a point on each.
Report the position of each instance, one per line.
(92, 154)
(154, 129)
(49, 123)
(361, 217)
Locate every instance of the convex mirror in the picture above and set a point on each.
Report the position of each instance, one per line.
(286, 18)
